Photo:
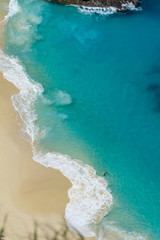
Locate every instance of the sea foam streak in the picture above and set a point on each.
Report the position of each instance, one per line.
(13, 9)
(98, 10)
(89, 198)
(110, 232)
(107, 10)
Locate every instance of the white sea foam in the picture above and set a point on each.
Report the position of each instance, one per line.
(107, 10)
(13, 9)
(114, 233)
(89, 198)
(58, 98)
(24, 101)
(61, 98)
(98, 10)
(130, 6)
(24, 28)
(62, 116)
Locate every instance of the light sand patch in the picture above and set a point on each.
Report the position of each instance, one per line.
(26, 186)
(29, 192)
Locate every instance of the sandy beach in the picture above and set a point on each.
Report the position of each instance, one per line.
(29, 191)
(31, 195)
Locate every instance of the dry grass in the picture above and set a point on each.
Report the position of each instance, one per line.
(45, 232)
(2, 228)
(62, 233)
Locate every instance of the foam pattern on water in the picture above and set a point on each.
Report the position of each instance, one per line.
(89, 197)
(98, 10)
(107, 10)
(13, 9)
(24, 32)
(114, 233)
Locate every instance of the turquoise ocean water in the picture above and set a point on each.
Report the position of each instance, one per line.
(101, 99)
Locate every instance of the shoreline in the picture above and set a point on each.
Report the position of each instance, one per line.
(28, 190)
(22, 196)
(72, 169)
(78, 214)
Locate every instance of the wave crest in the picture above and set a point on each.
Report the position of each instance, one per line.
(98, 10)
(89, 198)
(13, 9)
(107, 10)
(114, 233)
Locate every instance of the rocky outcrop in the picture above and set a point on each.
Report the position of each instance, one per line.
(121, 5)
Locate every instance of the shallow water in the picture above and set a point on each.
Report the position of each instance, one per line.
(101, 99)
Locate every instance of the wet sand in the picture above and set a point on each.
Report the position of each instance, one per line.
(28, 190)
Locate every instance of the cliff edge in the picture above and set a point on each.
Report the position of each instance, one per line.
(121, 5)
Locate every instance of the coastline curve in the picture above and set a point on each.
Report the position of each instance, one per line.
(90, 199)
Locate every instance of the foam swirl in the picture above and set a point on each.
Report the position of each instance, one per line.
(89, 197)
(98, 10)
(13, 9)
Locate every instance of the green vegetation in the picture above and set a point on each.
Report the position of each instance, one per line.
(62, 234)
(2, 228)
(49, 232)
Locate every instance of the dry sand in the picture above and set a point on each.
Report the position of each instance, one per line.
(29, 192)
(27, 189)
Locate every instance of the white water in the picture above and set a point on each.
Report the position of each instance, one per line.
(130, 6)
(98, 10)
(13, 9)
(111, 232)
(89, 197)
(107, 10)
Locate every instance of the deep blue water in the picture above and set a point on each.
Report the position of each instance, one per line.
(101, 101)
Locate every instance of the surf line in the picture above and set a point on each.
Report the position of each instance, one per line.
(90, 197)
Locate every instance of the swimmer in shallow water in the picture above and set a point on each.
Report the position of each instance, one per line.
(105, 173)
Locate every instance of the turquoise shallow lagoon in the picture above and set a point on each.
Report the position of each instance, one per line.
(101, 99)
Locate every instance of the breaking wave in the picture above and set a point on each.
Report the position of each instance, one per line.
(98, 10)
(90, 198)
(13, 9)
(110, 232)
(107, 10)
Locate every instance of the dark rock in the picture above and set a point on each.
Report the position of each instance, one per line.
(100, 3)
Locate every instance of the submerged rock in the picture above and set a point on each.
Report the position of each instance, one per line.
(120, 5)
